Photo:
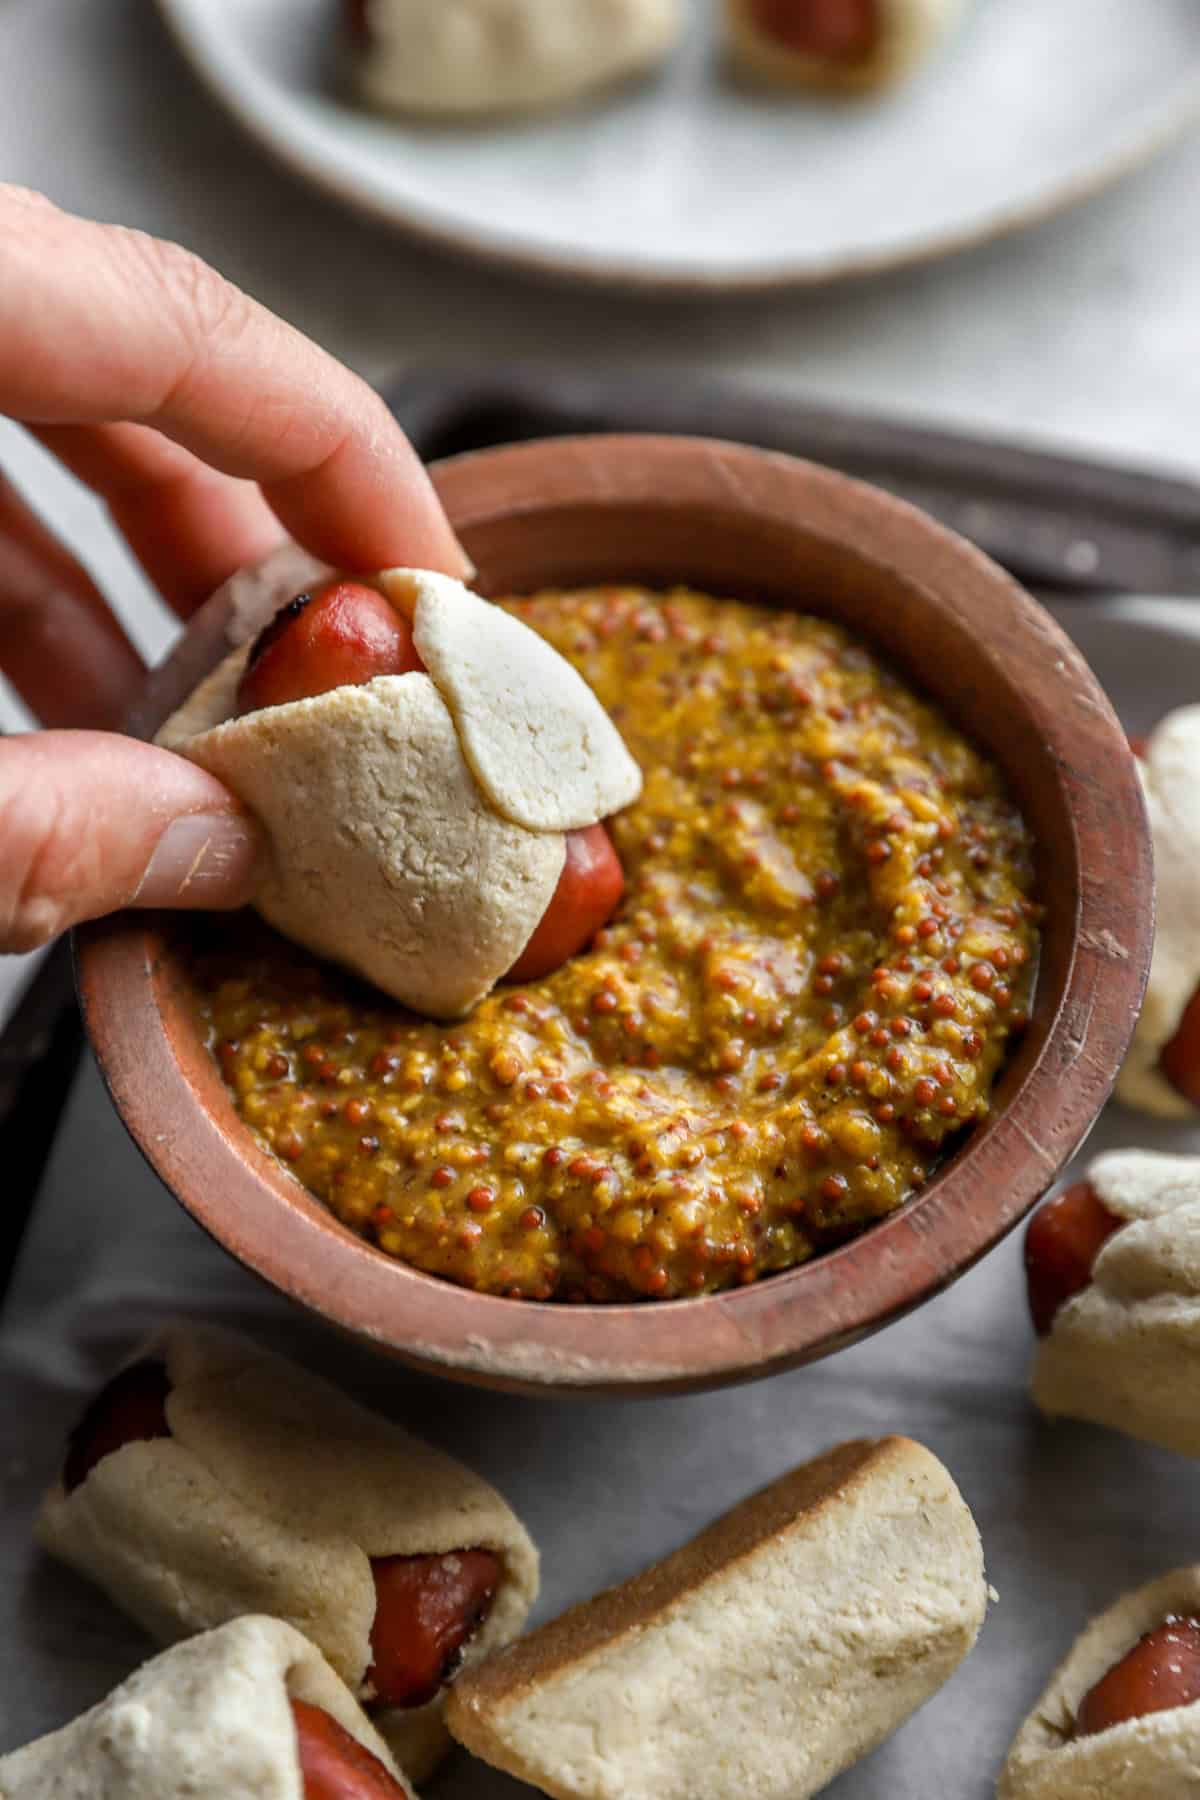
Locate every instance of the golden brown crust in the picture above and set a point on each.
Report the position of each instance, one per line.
(802, 1493)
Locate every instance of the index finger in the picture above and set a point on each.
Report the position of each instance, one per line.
(99, 323)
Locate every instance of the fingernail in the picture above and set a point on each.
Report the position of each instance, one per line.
(203, 859)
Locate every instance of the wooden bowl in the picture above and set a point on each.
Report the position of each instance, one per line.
(742, 522)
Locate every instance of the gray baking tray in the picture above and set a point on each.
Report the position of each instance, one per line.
(1070, 1515)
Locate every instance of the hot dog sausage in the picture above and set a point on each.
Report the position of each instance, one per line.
(357, 23)
(130, 1409)
(1160, 1672)
(334, 1765)
(588, 893)
(1180, 1058)
(841, 31)
(340, 635)
(1061, 1245)
(426, 1608)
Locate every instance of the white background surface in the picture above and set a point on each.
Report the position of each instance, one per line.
(1085, 331)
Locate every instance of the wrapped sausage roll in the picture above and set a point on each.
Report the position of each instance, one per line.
(851, 46)
(211, 1479)
(249, 1712)
(763, 1658)
(1113, 1267)
(1120, 1720)
(430, 774)
(1162, 1071)
(464, 57)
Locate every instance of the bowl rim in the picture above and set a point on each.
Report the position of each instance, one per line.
(150, 1055)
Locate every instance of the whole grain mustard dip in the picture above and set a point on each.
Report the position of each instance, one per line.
(825, 949)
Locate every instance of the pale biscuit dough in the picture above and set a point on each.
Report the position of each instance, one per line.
(1153, 1758)
(760, 1660)
(463, 57)
(416, 823)
(910, 30)
(213, 703)
(1126, 1351)
(1170, 773)
(256, 593)
(207, 1720)
(271, 1495)
(540, 745)
(384, 855)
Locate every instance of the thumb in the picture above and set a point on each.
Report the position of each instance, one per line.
(90, 822)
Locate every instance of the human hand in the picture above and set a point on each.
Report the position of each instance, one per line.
(210, 428)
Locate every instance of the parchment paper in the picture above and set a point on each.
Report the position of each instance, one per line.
(1070, 1515)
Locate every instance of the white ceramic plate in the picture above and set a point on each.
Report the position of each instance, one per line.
(690, 182)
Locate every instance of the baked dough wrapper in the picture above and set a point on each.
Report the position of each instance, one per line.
(1170, 776)
(1126, 1351)
(207, 1720)
(762, 1659)
(416, 823)
(1153, 1758)
(466, 57)
(272, 1495)
(909, 31)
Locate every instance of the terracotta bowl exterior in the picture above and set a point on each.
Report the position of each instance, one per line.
(742, 522)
